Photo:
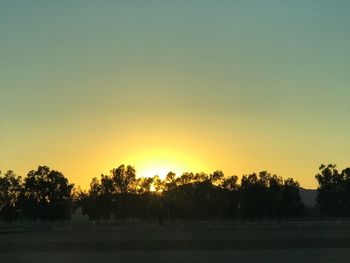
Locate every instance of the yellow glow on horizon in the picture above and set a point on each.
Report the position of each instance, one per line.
(161, 162)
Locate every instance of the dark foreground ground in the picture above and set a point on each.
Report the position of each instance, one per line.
(269, 242)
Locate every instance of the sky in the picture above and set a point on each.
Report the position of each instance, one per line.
(241, 86)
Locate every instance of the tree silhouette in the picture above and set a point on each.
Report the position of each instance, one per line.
(46, 195)
(267, 195)
(346, 191)
(216, 177)
(90, 202)
(125, 186)
(10, 188)
(291, 204)
(230, 196)
(329, 192)
(274, 195)
(333, 192)
(253, 195)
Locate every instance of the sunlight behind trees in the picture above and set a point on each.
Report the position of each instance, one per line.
(47, 195)
(160, 162)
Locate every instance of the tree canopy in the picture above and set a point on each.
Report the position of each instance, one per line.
(46, 195)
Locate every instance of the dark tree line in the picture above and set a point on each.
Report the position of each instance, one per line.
(190, 196)
(46, 195)
(43, 195)
(333, 193)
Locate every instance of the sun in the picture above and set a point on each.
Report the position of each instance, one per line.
(161, 171)
(161, 162)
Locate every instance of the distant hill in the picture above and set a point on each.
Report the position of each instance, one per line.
(308, 196)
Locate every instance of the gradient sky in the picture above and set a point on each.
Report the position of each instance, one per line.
(241, 86)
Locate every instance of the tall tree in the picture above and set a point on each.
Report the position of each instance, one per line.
(274, 195)
(125, 187)
(291, 204)
(346, 191)
(90, 201)
(230, 196)
(330, 190)
(216, 177)
(124, 179)
(253, 195)
(46, 195)
(10, 188)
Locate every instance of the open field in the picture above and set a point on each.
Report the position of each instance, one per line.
(266, 242)
(261, 256)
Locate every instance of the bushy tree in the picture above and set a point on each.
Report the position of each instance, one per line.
(190, 196)
(252, 196)
(124, 179)
(46, 195)
(230, 196)
(333, 192)
(90, 201)
(346, 191)
(267, 195)
(125, 187)
(291, 204)
(10, 188)
(329, 192)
